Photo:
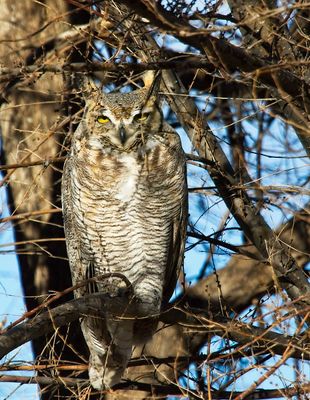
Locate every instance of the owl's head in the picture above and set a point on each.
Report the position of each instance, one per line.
(123, 120)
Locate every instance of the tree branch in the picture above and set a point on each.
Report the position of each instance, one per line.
(99, 304)
(227, 56)
(163, 390)
(230, 55)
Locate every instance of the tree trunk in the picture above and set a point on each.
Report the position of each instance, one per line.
(30, 133)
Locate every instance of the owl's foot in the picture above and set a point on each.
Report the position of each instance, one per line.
(103, 377)
(106, 369)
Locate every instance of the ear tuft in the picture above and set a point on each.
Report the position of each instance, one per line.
(151, 80)
(148, 78)
(153, 86)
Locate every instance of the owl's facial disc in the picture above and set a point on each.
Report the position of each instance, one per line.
(122, 131)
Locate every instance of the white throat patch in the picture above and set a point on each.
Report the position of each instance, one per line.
(128, 184)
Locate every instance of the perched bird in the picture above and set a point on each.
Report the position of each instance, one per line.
(124, 198)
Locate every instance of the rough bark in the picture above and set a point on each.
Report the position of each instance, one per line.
(30, 133)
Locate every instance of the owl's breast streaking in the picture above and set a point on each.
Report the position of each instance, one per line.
(126, 204)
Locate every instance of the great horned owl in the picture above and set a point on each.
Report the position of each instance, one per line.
(124, 200)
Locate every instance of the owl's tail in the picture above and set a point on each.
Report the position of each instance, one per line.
(110, 343)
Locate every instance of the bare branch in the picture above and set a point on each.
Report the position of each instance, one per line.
(163, 390)
(98, 304)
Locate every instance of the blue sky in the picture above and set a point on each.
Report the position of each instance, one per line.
(12, 307)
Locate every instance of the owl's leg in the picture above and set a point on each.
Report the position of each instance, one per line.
(110, 345)
(119, 351)
(97, 339)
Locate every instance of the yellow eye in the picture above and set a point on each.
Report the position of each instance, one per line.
(103, 120)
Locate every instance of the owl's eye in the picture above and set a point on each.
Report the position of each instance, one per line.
(142, 117)
(102, 119)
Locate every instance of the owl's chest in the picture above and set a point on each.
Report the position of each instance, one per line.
(126, 179)
(121, 179)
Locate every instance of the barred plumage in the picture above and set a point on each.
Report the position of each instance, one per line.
(125, 209)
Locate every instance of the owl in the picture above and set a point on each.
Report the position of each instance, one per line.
(124, 197)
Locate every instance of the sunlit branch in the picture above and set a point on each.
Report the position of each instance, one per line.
(125, 307)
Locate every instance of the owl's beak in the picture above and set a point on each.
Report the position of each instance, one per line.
(122, 134)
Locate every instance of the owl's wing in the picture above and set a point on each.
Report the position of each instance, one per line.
(176, 249)
(71, 232)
